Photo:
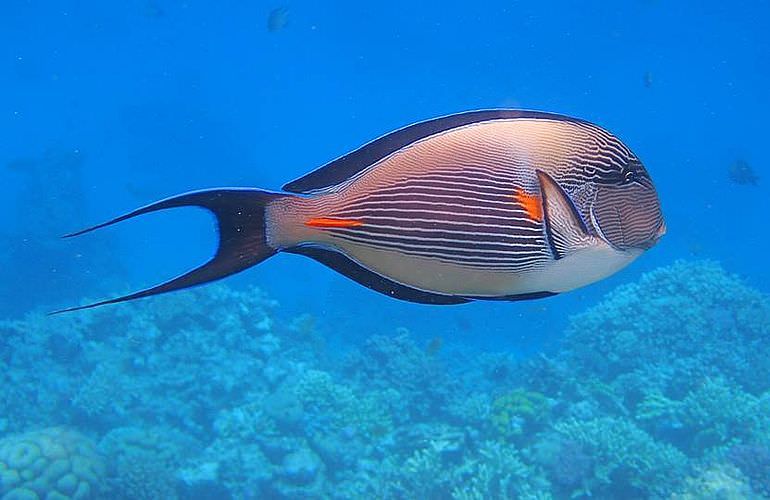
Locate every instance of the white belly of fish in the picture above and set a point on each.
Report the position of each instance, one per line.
(579, 268)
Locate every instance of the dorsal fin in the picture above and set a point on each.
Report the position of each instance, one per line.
(345, 167)
(564, 227)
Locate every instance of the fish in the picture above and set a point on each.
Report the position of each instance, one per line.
(434, 345)
(647, 79)
(153, 10)
(740, 172)
(497, 204)
(277, 19)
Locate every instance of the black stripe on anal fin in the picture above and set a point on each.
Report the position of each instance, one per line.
(518, 297)
(565, 229)
(347, 166)
(356, 272)
(240, 215)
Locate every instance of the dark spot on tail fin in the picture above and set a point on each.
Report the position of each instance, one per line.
(240, 215)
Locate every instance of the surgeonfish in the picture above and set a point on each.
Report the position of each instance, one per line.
(483, 205)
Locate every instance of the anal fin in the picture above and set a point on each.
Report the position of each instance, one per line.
(518, 297)
(358, 273)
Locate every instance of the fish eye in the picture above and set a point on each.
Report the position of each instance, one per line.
(629, 177)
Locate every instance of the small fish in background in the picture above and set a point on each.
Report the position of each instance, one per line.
(740, 172)
(647, 79)
(464, 324)
(278, 19)
(304, 325)
(695, 248)
(21, 165)
(152, 10)
(434, 345)
(497, 204)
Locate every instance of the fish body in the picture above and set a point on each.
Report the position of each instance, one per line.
(277, 19)
(740, 172)
(493, 204)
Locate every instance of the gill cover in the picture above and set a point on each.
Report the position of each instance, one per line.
(626, 209)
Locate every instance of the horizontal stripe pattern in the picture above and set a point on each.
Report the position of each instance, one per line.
(468, 196)
(466, 217)
(628, 216)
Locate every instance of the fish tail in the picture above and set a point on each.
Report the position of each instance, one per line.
(243, 239)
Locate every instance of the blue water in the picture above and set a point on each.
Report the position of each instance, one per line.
(110, 105)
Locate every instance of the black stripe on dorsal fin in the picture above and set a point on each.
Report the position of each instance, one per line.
(345, 167)
(347, 267)
(240, 215)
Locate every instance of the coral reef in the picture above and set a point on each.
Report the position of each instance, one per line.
(144, 461)
(332, 407)
(520, 411)
(212, 394)
(396, 362)
(567, 463)
(625, 457)
(55, 462)
(687, 321)
(716, 482)
(177, 361)
(754, 461)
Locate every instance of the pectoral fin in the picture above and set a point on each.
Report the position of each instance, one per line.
(565, 229)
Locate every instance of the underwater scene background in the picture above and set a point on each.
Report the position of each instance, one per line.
(288, 380)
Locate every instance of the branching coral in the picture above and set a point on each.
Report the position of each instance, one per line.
(717, 413)
(103, 393)
(716, 482)
(498, 473)
(493, 470)
(625, 456)
(568, 465)
(754, 461)
(692, 317)
(396, 362)
(338, 406)
(143, 462)
(520, 411)
(713, 414)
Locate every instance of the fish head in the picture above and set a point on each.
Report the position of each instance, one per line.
(625, 210)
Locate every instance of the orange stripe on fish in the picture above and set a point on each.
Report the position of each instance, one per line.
(329, 222)
(531, 203)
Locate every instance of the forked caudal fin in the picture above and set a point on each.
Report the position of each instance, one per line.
(240, 215)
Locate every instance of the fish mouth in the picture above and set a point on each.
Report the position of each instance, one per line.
(654, 240)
